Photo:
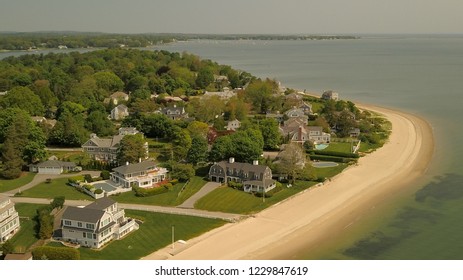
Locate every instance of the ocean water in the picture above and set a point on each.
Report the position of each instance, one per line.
(422, 75)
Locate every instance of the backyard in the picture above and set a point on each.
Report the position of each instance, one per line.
(57, 187)
(27, 235)
(8, 185)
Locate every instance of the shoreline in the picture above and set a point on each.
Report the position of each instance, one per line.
(318, 214)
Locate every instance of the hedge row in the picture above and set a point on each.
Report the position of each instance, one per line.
(331, 158)
(335, 154)
(142, 192)
(55, 253)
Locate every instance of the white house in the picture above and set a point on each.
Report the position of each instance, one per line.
(233, 125)
(119, 112)
(53, 167)
(95, 224)
(143, 174)
(9, 219)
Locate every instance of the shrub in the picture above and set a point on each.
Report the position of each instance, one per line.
(88, 187)
(88, 178)
(105, 174)
(58, 202)
(235, 185)
(142, 192)
(174, 181)
(98, 191)
(331, 158)
(336, 154)
(182, 172)
(55, 253)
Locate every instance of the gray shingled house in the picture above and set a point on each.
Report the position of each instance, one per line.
(95, 224)
(254, 177)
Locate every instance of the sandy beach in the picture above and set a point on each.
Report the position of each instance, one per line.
(312, 216)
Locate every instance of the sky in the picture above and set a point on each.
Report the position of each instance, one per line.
(234, 16)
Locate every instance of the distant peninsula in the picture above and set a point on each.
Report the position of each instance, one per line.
(17, 41)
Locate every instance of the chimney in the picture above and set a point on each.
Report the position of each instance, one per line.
(231, 160)
(255, 162)
(300, 134)
(126, 163)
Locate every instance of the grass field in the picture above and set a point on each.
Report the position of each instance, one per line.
(57, 187)
(27, 234)
(343, 147)
(171, 198)
(154, 234)
(329, 172)
(8, 185)
(226, 199)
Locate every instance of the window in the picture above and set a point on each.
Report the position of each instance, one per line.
(79, 224)
(90, 226)
(67, 223)
(84, 234)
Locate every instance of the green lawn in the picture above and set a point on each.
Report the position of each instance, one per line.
(171, 198)
(328, 172)
(154, 234)
(340, 147)
(27, 234)
(57, 187)
(8, 185)
(226, 199)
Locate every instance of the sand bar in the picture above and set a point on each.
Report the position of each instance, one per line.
(311, 216)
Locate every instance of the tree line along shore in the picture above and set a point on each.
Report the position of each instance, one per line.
(72, 40)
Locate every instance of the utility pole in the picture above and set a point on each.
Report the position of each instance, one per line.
(173, 237)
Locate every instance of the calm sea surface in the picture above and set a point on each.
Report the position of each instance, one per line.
(417, 74)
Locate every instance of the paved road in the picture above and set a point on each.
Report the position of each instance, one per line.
(149, 208)
(40, 178)
(207, 188)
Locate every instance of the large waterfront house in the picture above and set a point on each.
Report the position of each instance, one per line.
(9, 219)
(330, 95)
(53, 167)
(298, 131)
(143, 174)
(103, 149)
(119, 112)
(95, 224)
(254, 177)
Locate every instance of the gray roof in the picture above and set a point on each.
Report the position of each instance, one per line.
(7, 207)
(105, 142)
(136, 167)
(241, 166)
(3, 198)
(82, 214)
(101, 204)
(56, 163)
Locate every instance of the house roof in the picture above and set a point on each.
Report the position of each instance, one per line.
(3, 199)
(8, 206)
(242, 166)
(56, 163)
(101, 204)
(121, 107)
(136, 167)
(104, 142)
(85, 214)
(119, 95)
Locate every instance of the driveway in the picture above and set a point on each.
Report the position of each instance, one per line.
(207, 188)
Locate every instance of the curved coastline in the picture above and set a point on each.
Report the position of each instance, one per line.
(313, 216)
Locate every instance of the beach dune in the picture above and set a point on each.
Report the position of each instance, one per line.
(309, 217)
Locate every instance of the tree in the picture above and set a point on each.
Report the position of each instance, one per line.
(247, 145)
(98, 122)
(198, 151)
(24, 98)
(181, 143)
(182, 172)
(131, 149)
(270, 133)
(58, 202)
(196, 128)
(221, 149)
(259, 93)
(12, 161)
(204, 78)
(292, 161)
(108, 81)
(7, 247)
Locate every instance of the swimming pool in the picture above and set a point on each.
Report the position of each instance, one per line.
(324, 164)
(105, 186)
(321, 146)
